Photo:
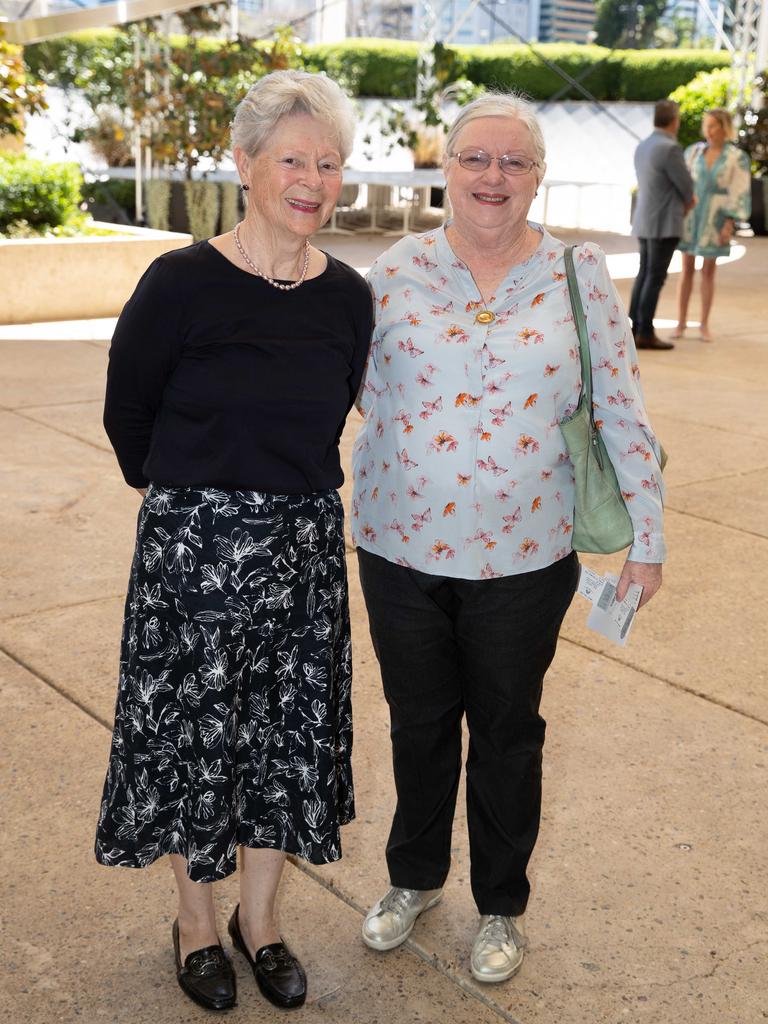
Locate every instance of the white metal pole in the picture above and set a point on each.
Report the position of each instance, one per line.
(761, 55)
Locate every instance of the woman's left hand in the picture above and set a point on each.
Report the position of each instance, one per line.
(646, 574)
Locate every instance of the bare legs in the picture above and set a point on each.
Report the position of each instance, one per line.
(707, 294)
(197, 919)
(260, 872)
(684, 289)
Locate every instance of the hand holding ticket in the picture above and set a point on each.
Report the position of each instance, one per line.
(611, 618)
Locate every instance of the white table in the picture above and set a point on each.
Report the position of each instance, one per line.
(421, 178)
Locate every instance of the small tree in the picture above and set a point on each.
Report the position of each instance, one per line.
(422, 128)
(20, 93)
(183, 97)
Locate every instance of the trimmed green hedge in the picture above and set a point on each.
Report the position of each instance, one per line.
(42, 194)
(372, 67)
(515, 67)
(649, 75)
(387, 68)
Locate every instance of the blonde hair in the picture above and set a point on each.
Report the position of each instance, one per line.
(498, 104)
(724, 119)
(282, 93)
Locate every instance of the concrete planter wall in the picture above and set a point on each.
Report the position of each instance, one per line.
(76, 278)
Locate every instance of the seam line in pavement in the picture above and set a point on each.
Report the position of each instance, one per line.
(715, 522)
(54, 405)
(57, 430)
(710, 426)
(719, 478)
(432, 961)
(61, 607)
(668, 682)
(51, 685)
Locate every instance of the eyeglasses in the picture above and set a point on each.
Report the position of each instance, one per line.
(479, 160)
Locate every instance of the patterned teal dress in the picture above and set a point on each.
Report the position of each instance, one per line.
(722, 191)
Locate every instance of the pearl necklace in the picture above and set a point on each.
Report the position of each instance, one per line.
(269, 280)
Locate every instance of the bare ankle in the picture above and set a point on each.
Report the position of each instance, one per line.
(258, 930)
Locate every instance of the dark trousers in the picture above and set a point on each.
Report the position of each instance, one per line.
(655, 257)
(449, 647)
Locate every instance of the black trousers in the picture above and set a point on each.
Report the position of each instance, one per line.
(449, 647)
(655, 257)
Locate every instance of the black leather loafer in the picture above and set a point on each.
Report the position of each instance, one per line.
(207, 975)
(652, 341)
(278, 973)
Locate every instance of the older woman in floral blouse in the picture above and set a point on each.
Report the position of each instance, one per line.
(463, 509)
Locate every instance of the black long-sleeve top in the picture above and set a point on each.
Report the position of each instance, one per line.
(218, 379)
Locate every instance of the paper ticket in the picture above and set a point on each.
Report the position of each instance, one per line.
(589, 582)
(611, 618)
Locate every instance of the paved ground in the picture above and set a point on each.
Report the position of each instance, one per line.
(649, 900)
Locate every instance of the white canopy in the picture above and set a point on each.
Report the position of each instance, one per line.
(34, 30)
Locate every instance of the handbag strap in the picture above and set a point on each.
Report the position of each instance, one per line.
(581, 329)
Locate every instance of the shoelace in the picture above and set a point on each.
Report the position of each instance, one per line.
(207, 961)
(397, 901)
(500, 931)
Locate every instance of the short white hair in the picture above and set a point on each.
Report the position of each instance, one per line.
(282, 93)
(498, 104)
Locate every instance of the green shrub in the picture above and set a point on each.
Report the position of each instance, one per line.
(708, 89)
(121, 191)
(42, 194)
(378, 67)
(650, 75)
(97, 62)
(515, 67)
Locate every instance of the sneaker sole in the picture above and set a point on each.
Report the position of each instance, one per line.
(495, 979)
(384, 947)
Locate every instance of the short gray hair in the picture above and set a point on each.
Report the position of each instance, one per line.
(499, 104)
(282, 93)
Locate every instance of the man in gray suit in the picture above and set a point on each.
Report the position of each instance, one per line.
(664, 196)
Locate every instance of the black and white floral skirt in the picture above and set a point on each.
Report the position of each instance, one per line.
(233, 723)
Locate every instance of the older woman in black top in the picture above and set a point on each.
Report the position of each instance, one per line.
(231, 372)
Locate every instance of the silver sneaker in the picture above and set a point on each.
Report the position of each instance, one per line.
(390, 921)
(498, 948)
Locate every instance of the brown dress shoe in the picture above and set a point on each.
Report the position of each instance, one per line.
(652, 341)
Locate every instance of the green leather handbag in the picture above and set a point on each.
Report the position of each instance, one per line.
(601, 522)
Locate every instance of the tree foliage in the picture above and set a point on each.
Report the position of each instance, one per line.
(20, 92)
(626, 24)
(182, 97)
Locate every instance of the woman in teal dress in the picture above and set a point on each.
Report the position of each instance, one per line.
(721, 177)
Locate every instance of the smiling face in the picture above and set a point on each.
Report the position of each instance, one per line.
(295, 179)
(713, 131)
(491, 199)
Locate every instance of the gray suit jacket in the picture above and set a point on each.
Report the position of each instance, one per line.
(663, 187)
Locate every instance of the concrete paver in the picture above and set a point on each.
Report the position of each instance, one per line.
(647, 901)
(714, 500)
(61, 497)
(97, 946)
